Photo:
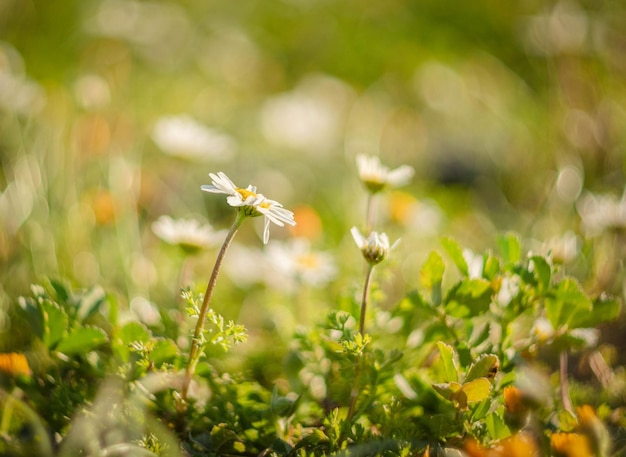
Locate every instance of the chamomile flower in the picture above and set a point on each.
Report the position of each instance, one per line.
(376, 177)
(374, 248)
(184, 137)
(189, 234)
(250, 203)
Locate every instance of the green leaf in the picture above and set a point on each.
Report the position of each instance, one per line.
(471, 392)
(447, 389)
(62, 290)
(567, 303)
(448, 362)
(541, 270)
(491, 266)
(486, 366)
(90, 303)
(132, 332)
(55, 322)
(470, 297)
(604, 309)
(496, 427)
(431, 276)
(510, 247)
(33, 315)
(129, 333)
(82, 341)
(473, 287)
(456, 253)
(164, 351)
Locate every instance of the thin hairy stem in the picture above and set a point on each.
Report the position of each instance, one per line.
(358, 367)
(364, 300)
(197, 334)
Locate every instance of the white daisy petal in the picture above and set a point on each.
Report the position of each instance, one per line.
(250, 202)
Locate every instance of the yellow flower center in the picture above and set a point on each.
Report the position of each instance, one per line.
(309, 261)
(245, 193)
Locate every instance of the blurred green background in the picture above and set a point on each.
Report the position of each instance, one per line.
(512, 114)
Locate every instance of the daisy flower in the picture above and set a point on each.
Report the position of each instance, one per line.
(189, 234)
(250, 202)
(374, 248)
(376, 177)
(298, 260)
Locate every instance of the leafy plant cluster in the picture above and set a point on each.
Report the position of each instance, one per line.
(478, 359)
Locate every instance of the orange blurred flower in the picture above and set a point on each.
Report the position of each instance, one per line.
(570, 445)
(518, 445)
(13, 363)
(309, 223)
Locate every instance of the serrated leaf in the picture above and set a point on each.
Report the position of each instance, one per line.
(510, 247)
(448, 362)
(566, 303)
(82, 341)
(496, 427)
(604, 309)
(486, 366)
(431, 276)
(456, 254)
(62, 290)
(55, 323)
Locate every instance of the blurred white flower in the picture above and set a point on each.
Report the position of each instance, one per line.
(376, 177)
(475, 264)
(374, 248)
(602, 212)
(189, 234)
(309, 118)
(509, 288)
(92, 91)
(296, 259)
(563, 249)
(542, 329)
(237, 265)
(183, 136)
(251, 203)
(588, 336)
(18, 93)
(145, 311)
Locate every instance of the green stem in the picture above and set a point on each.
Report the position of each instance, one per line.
(197, 334)
(358, 368)
(366, 291)
(371, 213)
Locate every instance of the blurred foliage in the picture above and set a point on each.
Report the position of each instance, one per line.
(113, 112)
